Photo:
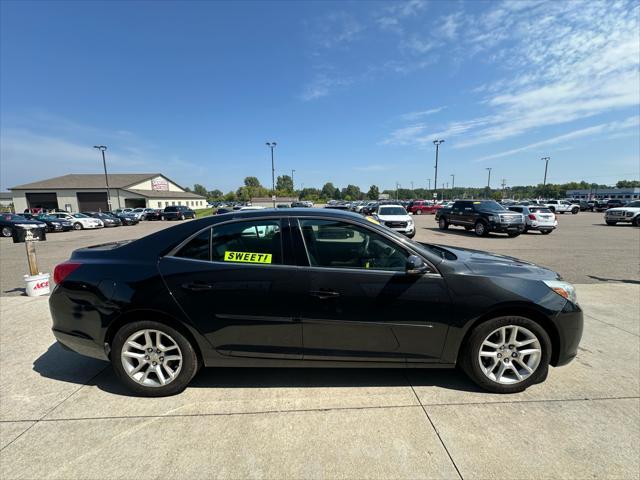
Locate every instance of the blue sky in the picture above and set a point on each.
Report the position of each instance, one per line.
(353, 92)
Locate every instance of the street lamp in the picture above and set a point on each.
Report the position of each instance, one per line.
(437, 143)
(488, 182)
(293, 185)
(102, 148)
(544, 183)
(429, 180)
(272, 146)
(453, 181)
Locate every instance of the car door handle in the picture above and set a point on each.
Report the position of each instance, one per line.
(197, 286)
(324, 294)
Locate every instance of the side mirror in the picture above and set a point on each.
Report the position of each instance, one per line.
(416, 266)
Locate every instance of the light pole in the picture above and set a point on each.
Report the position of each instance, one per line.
(435, 179)
(293, 185)
(544, 183)
(453, 182)
(102, 148)
(429, 180)
(488, 182)
(272, 146)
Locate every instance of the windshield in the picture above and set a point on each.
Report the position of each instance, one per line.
(491, 206)
(139, 210)
(392, 211)
(634, 204)
(47, 217)
(80, 215)
(11, 216)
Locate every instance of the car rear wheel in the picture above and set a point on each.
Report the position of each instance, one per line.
(507, 354)
(182, 217)
(443, 224)
(418, 212)
(77, 226)
(481, 229)
(574, 211)
(153, 359)
(7, 232)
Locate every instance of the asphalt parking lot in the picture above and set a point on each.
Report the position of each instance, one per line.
(66, 416)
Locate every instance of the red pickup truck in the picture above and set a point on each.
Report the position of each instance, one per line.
(424, 207)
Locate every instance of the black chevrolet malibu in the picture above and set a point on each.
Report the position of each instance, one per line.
(307, 288)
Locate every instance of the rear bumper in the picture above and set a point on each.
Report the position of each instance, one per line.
(82, 345)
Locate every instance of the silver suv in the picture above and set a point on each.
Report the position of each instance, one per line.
(630, 213)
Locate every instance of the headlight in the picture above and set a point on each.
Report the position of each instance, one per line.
(563, 289)
(493, 218)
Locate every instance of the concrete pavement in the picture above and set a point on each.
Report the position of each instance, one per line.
(65, 416)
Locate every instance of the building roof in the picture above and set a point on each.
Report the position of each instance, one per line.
(164, 194)
(88, 180)
(278, 199)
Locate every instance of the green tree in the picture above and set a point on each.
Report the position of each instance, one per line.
(284, 183)
(252, 182)
(628, 184)
(214, 194)
(230, 197)
(200, 190)
(328, 191)
(373, 193)
(351, 192)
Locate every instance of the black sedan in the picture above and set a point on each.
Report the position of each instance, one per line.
(9, 222)
(125, 218)
(309, 287)
(108, 219)
(54, 224)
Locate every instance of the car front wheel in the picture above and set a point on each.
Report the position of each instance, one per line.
(443, 224)
(153, 359)
(77, 226)
(7, 232)
(418, 212)
(481, 229)
(636, 221)
(507, 354)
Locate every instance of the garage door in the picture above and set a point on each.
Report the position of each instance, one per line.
(92, 201)
(46, 201)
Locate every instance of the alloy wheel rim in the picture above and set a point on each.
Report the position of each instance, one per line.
(151, 358)
(510, 354)
(6, 232)
(480, 228)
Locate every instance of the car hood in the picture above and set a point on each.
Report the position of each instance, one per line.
(394, 218)
(624, 209)
(495, 265)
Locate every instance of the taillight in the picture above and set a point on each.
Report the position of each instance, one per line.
(532, 216)
(63, 270)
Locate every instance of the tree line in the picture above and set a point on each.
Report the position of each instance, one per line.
(252, 188)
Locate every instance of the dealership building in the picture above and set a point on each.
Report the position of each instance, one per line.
(626, 194)
(88, 192)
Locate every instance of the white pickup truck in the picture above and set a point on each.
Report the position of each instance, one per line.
(562, 206)
(630, 213)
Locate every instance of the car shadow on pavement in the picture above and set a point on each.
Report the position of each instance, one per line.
(463, 233)
(65, 366)
(614, 280)
(22, 291)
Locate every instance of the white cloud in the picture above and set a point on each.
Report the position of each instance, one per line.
(612, 130)
(413, 116)
(560, 62)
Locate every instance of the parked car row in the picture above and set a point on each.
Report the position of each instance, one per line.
(60, 221)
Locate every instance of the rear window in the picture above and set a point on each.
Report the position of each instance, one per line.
(171, 209)
(539, 210)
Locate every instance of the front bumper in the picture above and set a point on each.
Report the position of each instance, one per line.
(506, 227)
(618, 218)
(569, 324)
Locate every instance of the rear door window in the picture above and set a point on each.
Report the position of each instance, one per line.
(257, 242)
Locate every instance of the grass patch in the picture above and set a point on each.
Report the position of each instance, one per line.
(205, 212)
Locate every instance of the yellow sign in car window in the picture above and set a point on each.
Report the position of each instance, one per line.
(247, 257)
(372, 220)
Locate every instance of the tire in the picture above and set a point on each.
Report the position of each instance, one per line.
(575, 211)
(609, 222)
(411, 235)
(418, 212)
(162, 218)
(186, 366)
(475, 366)
(443, 224)
(77, 226)
(546, 232)
(182, 217)
(7, 232)
(636, 221)
(480, 229)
